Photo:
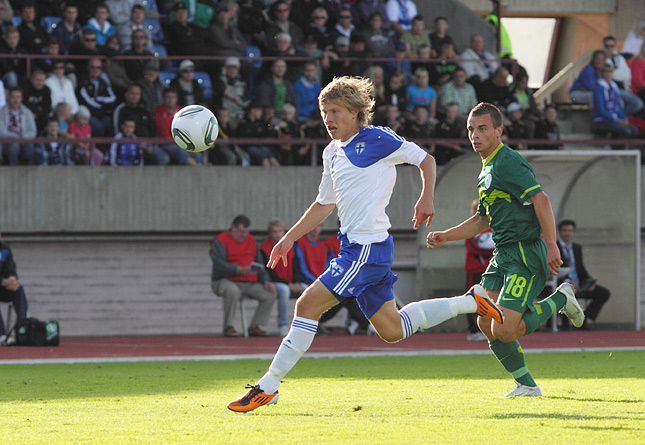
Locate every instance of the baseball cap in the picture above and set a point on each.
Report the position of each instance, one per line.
(232, 61)
(342, 40)
(513, 106)
(179, 6)
(185, 64)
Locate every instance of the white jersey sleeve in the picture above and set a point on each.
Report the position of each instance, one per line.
(326, 193)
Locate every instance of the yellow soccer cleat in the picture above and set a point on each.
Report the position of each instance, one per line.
(254, 398)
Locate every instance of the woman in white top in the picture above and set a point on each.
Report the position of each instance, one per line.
(62, 89)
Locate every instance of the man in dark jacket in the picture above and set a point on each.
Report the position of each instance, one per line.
(37, 97)
(10, 288)
(95, 92)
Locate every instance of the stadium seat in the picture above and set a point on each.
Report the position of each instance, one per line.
(50, 22)
(150, 4)
(16, 20)
(155, 29)
(205, 81)
(166, 77)
(253, 52)
(160, 51)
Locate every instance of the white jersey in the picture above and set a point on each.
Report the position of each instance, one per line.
(358, 177)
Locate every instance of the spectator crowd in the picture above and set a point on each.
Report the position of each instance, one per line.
(93, 71)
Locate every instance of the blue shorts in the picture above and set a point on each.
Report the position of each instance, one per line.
(364, 272)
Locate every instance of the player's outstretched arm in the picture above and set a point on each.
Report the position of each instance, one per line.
(544, 213)
(314, 215)
(424, 207)
(472, 226)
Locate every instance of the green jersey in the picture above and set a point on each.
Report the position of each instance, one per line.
(505, 184)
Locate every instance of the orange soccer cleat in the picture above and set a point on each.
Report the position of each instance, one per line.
(485, 306)
(254, 398)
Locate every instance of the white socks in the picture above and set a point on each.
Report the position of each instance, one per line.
(427, 313)
(293, 346)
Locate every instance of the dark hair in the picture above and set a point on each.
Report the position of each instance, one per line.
(12, 89)
(137, 6)
(440, 18)
(169, 90)
(567, 222)
(241, 220)
(596, 53)
(606, 39)
(417, 18)
(484, 108)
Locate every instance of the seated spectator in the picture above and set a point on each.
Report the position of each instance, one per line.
(224, 153)
(523, 95)
(115, 68)
(54, 152)
(283, 277)
(442, 69)
(547, 128)
(61, 88)
(312, 255)
(284, 49)
(37, 97)
(96, 94)
(151, 87)
(280, 23)
(85, 45)
(52, 49)
(67, 30)
(392, 118)
(231, 91)
(515, 127)
(253, 126)
(586, 286)
(315, 128)
(609, 114)
(420, 127)
(344, 26)
(201, 13)
(126, 152)
(252, 21)
(13, 70)
(32, 35)
(226, 38)
(319, 28)
(289, 128)
(132, 108)
(101, 24)
(63, 114)
(376, 74)
(622, 72)
(311, 50)
(400, 62)
(10, 288)
(450, 126)
(307, 89)
(420, 93)
(336, 62)
(135, 22)
(363, 12)
(17, 122)
(378, 42)
(134, 67)
(416, 36)
(234, 275)
(395, 91)
(163, 119)
(439, 36)
(189, 90)
(184, 38)
(276, 90)
(400, 14)
(635, 39)
(478, 63)
(80, 129)
(496, 89)
(638, 73)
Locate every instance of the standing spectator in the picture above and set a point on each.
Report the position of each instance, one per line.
(416, 36)
(283, 276)
(151, 87)
(101, 24)
(460, 92)
(32, 35)
(506, 48)
(515, 127)
(363, 14)
(126, 152)
(450, 126)
(277, 90)
(496, 90)
(609, 114)
(400, 14)
(307, 89)
(134, 67)
(134, 23)
(189, 90)
(10, 288)
(281, 23)
(17, 121)
(54, 152)
(12, 69)
(622, 72)
(548, 128)
(478, 63)
(234, 275)
(439, 36)
(163, 119)
(638, 73)
(37, 97)
(96, 94)
(420, 93)
(133, 108)
(587, 289)
(254, 127)
(80, 129)
(67, 30)
(231, 92)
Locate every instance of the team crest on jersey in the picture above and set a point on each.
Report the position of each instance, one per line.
(360, 147)
(488, 180)
(336, 270)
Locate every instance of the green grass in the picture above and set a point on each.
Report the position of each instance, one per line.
(589, 397)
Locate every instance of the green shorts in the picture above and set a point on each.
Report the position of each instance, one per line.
(519, 271)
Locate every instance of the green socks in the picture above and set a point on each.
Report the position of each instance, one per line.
(543, 311)
(511, 356)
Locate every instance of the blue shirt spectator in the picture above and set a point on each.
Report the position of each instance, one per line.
(307, 90)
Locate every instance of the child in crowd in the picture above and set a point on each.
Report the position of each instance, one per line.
(53, 153)
(63, 115)
(253, 126)
(126, 153)
(420, 127)
(450, 126)
(80, 128)
(289, 128)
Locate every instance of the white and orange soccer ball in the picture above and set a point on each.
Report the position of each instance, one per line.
(194, 128)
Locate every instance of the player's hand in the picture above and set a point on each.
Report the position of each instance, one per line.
(435, 239)
(423, 211)
(279, 252)
(553, 259)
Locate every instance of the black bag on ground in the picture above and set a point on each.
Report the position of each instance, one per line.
(34, 332)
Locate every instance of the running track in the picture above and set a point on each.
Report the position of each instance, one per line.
(211, 347)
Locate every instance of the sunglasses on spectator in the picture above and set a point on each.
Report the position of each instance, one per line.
(89, 40)
(345, 16)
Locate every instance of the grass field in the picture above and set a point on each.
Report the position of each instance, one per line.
(589, 397)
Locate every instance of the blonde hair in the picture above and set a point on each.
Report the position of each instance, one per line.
(353, 93)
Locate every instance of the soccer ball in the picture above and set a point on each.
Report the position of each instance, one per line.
(194, 128)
